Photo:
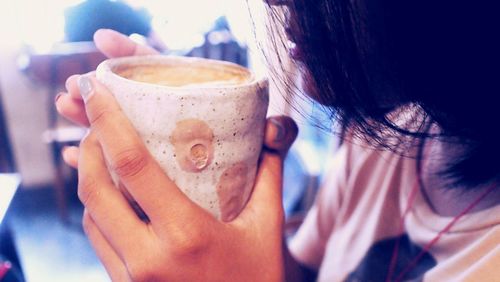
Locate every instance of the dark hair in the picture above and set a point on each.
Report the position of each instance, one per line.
(369, 59)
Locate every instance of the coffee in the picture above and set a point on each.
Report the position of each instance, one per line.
(185, 75)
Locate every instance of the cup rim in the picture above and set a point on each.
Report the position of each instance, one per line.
(107, 67)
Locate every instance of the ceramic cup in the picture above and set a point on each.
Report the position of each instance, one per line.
(202, 120)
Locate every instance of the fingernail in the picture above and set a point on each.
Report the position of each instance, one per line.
(64, 152)
(57, 97)
(86, 87)
(280, 130)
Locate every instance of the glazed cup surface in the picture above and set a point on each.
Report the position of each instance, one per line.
(206, 137)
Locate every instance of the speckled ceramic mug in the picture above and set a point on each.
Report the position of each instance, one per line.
(202, 120)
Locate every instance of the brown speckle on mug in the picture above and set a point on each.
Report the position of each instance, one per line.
(230, 190)
(192, 140)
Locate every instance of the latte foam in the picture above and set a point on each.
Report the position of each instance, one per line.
(185, 76)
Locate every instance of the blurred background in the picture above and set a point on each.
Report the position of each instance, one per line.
(43, 43)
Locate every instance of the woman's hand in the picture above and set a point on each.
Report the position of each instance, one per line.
(70, 105)
(182, 242)
(112, 44)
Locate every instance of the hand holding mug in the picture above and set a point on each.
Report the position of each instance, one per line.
(182, 241)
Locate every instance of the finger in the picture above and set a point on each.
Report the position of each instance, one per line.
(72, 109)
(266, 200)
(70, 155)
(114, 44)
(111, 261)
(72, 87)
(106, 205)
(129, 158)
(71, 106)
(281, 131)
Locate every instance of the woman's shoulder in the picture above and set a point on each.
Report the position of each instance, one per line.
(362, 159)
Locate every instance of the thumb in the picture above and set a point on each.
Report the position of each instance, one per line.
(281, 131)
(266, 200)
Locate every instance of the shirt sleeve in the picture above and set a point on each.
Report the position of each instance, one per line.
(309, 243)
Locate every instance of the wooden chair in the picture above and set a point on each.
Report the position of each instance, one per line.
(52, 69)
(7, 163)
(220, 45)
(9, 182)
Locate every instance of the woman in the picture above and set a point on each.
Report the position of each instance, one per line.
(413, 194)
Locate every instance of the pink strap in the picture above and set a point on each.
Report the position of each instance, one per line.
(4, 268)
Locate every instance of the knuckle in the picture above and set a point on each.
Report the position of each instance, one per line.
(130, 162)
(85, 140)
(101, 115)
(140, 272)
(86, 224)
(87, 190)
(88, 139)
(188, 245)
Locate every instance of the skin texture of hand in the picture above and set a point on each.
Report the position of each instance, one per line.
(181, 242)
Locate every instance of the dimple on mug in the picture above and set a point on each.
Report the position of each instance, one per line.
(202, 120)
